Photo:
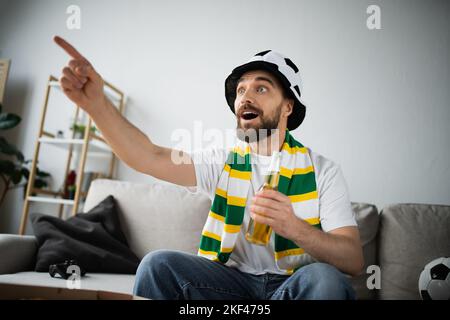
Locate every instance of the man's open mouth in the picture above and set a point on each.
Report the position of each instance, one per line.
(249, 115)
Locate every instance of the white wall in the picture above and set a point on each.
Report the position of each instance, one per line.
(378, 100)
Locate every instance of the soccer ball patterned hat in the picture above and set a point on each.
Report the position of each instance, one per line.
(283, 69)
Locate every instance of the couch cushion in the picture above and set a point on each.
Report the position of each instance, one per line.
(367, 218)
(20, 250)
(122, 283)
(154, 216)
(410, 236)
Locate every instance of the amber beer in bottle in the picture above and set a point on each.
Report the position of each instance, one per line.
(259, 233)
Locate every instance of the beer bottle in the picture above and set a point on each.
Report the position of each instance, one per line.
(259, 233)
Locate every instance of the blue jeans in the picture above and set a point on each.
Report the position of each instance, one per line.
(166, 274)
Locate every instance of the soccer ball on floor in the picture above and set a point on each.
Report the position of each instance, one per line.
(434, 281)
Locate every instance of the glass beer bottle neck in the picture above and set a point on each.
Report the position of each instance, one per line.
(271, 181)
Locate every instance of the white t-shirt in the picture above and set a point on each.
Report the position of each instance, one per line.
(335, 209)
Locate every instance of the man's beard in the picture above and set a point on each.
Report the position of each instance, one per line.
(264, 129)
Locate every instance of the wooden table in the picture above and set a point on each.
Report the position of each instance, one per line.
(30, 292)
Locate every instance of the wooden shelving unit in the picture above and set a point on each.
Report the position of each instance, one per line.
(91, 144)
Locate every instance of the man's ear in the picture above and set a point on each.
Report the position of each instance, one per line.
(289, 107)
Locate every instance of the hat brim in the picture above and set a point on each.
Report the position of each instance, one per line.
(297, 116)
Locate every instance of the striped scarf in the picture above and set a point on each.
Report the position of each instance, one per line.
(297, 181)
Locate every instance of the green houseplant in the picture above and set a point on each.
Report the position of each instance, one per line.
(13, 166)
(80, 129)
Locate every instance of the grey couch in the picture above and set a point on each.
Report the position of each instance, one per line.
(400, 239)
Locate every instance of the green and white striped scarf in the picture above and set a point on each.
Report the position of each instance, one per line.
(297, 181)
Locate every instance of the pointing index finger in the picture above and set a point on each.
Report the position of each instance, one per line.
(71, 51)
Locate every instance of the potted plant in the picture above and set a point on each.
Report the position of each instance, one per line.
(79, 130)
(13, 166)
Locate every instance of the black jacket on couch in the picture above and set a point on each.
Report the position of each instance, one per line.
(94, 239)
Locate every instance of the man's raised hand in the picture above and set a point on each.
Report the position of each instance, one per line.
(79, 81)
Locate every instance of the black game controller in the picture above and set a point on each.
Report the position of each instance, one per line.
(61, 269)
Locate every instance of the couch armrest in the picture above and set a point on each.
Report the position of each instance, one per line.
(17, 253)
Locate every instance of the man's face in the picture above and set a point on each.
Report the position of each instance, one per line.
(259, 103)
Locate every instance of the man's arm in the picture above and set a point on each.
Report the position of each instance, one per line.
(340, 247)
(84, 86)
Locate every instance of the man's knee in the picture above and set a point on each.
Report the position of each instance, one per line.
(159, 257)
(320, 271)
(316, 281)
(325, 281)
(156, 261)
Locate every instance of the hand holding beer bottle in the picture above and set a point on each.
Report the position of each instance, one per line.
(258, 233)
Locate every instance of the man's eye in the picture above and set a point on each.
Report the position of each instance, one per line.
(262, 87)
(241, 90)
